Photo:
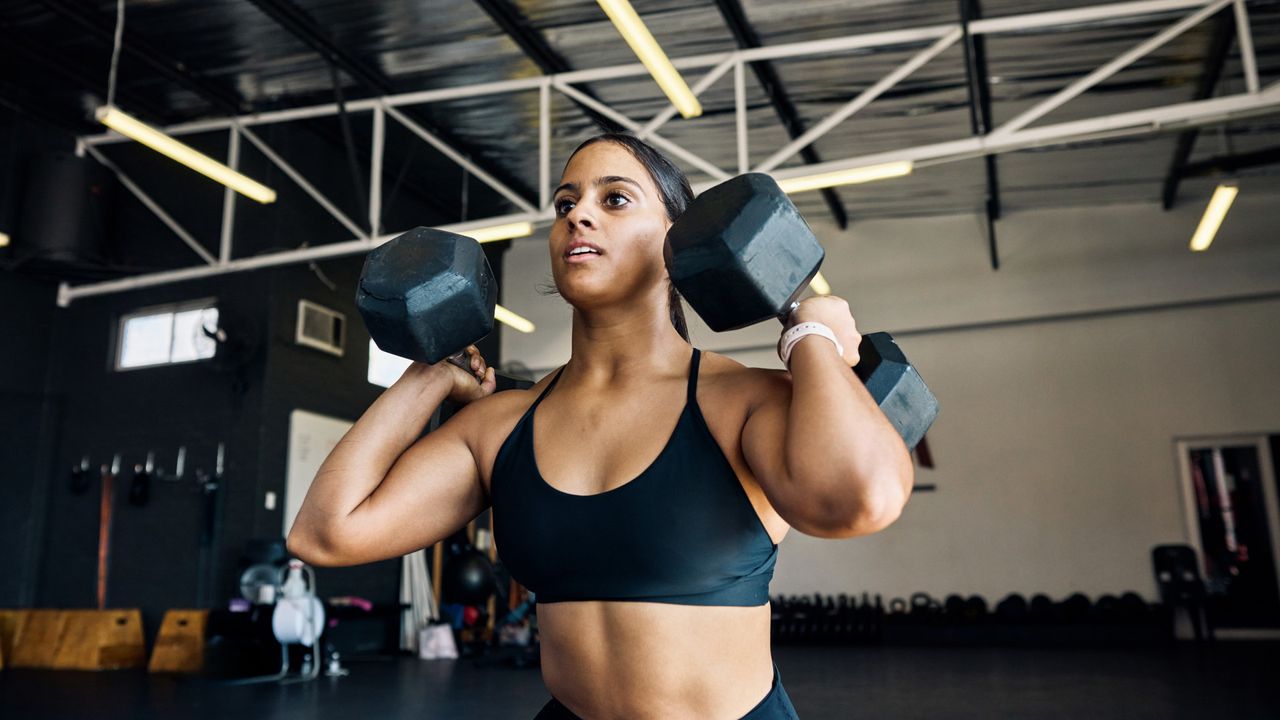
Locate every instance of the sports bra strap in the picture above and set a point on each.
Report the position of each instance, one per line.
(693, 376)
(546, 390)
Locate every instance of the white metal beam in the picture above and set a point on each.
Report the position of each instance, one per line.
(69, 293)
(1139, 122)
(307, 187)
(1168, 118)
(461, 159)
(153, 206)
(1119, 63)
(1111, 12)
(703, 83)
(544, 145)
(634, 126)
(740, 115)
(862, 100)
(375, 170)
(229, 198)
(1244, 35)
(1257, 101)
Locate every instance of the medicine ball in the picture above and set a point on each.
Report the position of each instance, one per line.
(467, 578)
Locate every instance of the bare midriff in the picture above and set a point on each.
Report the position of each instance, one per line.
(640, 660)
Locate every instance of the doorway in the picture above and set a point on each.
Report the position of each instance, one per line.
(1232, 510)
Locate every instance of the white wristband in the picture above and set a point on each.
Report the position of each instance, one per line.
(792, 336)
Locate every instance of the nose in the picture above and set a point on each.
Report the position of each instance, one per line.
(579, 216)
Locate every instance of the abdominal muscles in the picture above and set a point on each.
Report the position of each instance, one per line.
(641, 660)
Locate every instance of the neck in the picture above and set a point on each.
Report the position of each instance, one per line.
(636, 340)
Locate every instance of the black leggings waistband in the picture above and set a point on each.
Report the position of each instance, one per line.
(774, 706)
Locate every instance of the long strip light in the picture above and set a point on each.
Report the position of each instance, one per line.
(512, 320)
(633, 30)
(135, 129)
(1213, 216)
(847, 177)
(499, 232)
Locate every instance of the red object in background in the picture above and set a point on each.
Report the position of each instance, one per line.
(470, 614)
(104, 529)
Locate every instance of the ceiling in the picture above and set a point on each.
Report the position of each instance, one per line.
(191, 59)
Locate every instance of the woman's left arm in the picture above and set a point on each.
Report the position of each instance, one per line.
(827, 458)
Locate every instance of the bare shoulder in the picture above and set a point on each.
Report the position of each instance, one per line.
(486, 423)
(729, 378)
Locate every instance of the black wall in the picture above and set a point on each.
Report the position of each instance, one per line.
(155, 560)
(27, 425)
(63, 399)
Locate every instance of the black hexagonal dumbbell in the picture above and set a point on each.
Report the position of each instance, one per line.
(741, 253)
(426, 295)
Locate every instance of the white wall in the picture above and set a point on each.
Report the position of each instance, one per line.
(1054, 447)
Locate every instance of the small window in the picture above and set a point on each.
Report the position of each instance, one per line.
(165, 336)
(385, 368)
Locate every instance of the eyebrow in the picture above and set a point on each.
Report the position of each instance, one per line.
(606, 180)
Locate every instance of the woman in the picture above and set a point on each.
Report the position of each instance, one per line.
(649, 548)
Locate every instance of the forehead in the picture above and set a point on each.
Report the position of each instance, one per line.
(604, 158)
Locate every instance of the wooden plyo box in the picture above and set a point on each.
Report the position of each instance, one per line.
(180, 643)
(78, 639)
(11, 623)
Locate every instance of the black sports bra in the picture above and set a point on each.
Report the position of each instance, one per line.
(683, 531)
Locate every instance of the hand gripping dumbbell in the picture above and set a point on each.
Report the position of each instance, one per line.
(741, 253)
(426, 295)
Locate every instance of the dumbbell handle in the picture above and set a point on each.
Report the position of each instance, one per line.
(461, 360)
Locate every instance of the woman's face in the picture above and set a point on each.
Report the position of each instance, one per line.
(606, 243)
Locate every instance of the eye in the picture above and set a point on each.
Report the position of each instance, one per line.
(563, 206)
(610, 199)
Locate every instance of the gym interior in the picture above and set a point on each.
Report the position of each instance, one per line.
(1064, 214)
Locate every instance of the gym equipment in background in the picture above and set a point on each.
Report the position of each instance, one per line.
(80, 478)
(140, 486)
(742, 253)
(298, 619)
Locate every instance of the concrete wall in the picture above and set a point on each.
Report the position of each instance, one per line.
(1063, 379)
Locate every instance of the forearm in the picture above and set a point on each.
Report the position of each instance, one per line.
(839, 445)
(362, 458)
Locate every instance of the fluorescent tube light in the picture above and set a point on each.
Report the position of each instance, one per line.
(847, 177)
(819, 285)
(499, 232)
(165, 145)
(1214, 214)
(512, 320)
(633, 30)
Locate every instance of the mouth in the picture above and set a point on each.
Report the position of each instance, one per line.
(580, 252)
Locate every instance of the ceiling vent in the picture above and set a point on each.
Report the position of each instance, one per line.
(321, 328)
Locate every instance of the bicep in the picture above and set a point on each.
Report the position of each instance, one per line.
(431, 490)
(764, 438)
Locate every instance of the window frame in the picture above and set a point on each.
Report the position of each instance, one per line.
(172, 310)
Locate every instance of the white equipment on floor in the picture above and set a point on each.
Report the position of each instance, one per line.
(298, 619)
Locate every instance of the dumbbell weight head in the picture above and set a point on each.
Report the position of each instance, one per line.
(741, 253)
(427, 294)
(896, 386)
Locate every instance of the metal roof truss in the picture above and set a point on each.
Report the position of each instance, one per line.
(1013, 135)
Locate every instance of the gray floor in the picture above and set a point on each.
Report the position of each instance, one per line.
(1229, 680)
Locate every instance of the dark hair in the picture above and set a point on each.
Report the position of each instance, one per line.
(674, 189)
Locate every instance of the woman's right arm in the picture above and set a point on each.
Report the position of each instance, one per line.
(372, 498)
